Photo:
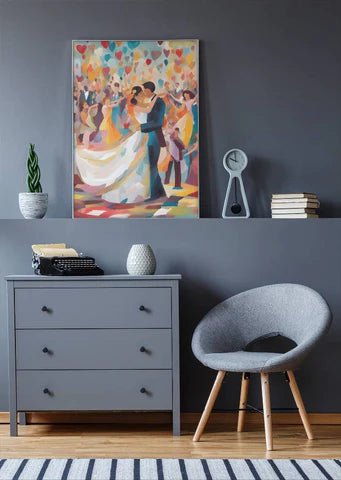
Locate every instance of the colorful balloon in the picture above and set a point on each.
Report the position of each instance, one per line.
(133, 44)
(81, 48)
(155, 54)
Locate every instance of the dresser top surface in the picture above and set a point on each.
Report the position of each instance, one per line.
(102, 278)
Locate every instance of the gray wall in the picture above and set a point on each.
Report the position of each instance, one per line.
(217, 259)
(270, 84)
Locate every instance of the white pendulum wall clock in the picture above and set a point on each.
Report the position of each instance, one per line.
(235, 161)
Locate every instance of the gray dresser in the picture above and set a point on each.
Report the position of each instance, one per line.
(93, 343)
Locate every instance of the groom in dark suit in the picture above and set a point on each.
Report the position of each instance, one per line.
(156, 140)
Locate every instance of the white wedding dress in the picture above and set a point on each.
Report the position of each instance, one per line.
(123, 171)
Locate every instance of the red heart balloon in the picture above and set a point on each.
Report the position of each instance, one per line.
(81, 48)
(127, 69)
(105, 44)
(79, 79)
(118, 55)
(160, 42)
(148, 61)
(166, 52)
(106, 71)
(178, 51)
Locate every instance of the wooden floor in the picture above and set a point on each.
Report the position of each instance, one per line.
(156, 441)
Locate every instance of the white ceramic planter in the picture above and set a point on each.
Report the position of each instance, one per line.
(141, 260)
(33, 205)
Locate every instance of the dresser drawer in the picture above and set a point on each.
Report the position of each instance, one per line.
(94, 390)
(94, 349)
(93, 308)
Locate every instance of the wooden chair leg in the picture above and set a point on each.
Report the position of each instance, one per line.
(243, 401)
(300, 405)
(267, 409)
(209, 405)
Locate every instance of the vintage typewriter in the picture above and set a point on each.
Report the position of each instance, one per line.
(57, 259)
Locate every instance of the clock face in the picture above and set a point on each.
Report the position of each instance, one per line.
(235, 160)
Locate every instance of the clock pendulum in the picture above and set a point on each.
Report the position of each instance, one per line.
(235, 207)
(235, 161)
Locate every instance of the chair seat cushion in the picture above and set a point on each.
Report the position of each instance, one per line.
(243, 361)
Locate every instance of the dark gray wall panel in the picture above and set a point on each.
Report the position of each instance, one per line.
(270, 84)
(217, 259)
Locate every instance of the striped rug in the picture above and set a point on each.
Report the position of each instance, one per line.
(168, 469)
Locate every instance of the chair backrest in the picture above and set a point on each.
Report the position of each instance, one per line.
(293, 311)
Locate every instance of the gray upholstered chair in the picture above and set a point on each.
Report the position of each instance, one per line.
(221, 339)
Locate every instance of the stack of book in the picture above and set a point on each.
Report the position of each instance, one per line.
(294, 205)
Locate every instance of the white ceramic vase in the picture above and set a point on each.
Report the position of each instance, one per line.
(33, 205)
(141, 260)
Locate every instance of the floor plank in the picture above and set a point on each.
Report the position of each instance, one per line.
(143, 441)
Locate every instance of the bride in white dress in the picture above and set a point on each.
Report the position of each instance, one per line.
(122, 171)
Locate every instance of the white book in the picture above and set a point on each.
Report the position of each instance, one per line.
(281, 211)
(295, 215)
(294, 195)
(304, 202)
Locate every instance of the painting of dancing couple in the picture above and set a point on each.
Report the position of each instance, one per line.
(136, 129)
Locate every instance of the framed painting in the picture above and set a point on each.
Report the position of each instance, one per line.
(135, 129)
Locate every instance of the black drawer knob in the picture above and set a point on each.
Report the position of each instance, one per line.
(44, 308)
(46, 390)
(143, 390)
(142, 308)
(45, 350)
(143, 349)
